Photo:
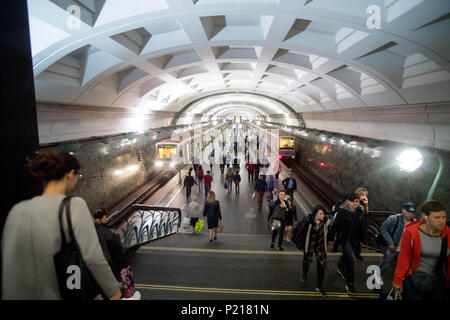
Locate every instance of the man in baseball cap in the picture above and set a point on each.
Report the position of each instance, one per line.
(392, 229)
(410, 207)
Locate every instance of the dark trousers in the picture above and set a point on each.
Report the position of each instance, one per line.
(188, 192)
(290, 192)
(251, 175)
(280, 233)
(237, 187)
(336, 244)
(356, 244)
(347, 262)
(230, 186)
(411, 293)
(320, 271)
(222, 168)
(271, 209)
(389, 257)
(207, 190)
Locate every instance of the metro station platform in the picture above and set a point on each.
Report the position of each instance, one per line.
(240, 264)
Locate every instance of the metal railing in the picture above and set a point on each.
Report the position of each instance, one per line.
(146, 223)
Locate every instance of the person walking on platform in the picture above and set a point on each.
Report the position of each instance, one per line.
(195, 164)
(279, 219)
(188, 183)
(313, 232)
(194, 212)
(222, 164)
(423, 264)
(211, 210)
(392, 230)
(228, 159)
(257, 168)
(359, 224)
(211, 161)
(32, 235)
(237, 181)
(200, 175)
(272, 197)
(271, 183)
(208, 178)
(342, 225)
(291, 219)
(229, 179)
(114, 254)
(290, 184)
(236, 165)
(251, 170)
(277, 171)
(260, 189)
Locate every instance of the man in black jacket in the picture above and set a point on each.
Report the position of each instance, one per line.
(343, 225)
(188, 183)
(260, 189)
(290, 184)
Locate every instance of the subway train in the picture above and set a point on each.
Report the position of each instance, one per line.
(170, 153)
(173, 153)
(287, 147)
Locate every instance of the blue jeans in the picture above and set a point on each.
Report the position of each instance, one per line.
(207, 190)
(347, 262)
(388, 257)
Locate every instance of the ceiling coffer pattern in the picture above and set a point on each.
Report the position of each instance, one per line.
(314, 55)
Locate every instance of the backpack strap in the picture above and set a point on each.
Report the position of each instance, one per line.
(395, 227)
(442, 255)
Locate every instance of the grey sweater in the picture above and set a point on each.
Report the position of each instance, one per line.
(31, 238)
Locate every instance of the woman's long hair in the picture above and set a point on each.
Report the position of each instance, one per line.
(211, 197)
(317, 209)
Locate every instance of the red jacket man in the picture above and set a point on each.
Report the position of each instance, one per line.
(409, 256)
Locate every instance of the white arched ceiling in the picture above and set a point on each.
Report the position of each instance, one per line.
(314, 55)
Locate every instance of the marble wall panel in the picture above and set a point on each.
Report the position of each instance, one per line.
(345, 168)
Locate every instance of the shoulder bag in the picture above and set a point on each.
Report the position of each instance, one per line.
(74, 279)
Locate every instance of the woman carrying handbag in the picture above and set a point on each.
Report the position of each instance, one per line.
(33, 225)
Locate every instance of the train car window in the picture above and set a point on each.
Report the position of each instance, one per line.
(166, 152)
(286, 143)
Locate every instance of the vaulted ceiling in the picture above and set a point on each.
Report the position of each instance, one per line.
(310, 55)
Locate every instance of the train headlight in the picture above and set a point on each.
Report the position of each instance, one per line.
(158, 164)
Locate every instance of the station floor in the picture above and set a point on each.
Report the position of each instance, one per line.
(240, 264)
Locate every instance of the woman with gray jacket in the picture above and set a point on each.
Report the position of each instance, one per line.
(194, 212)
(313, 231)
(32, 235)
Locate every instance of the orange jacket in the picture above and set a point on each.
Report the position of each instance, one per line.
(409, 256)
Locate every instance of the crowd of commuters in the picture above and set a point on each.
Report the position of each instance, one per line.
(418, 249)
(422, 271)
